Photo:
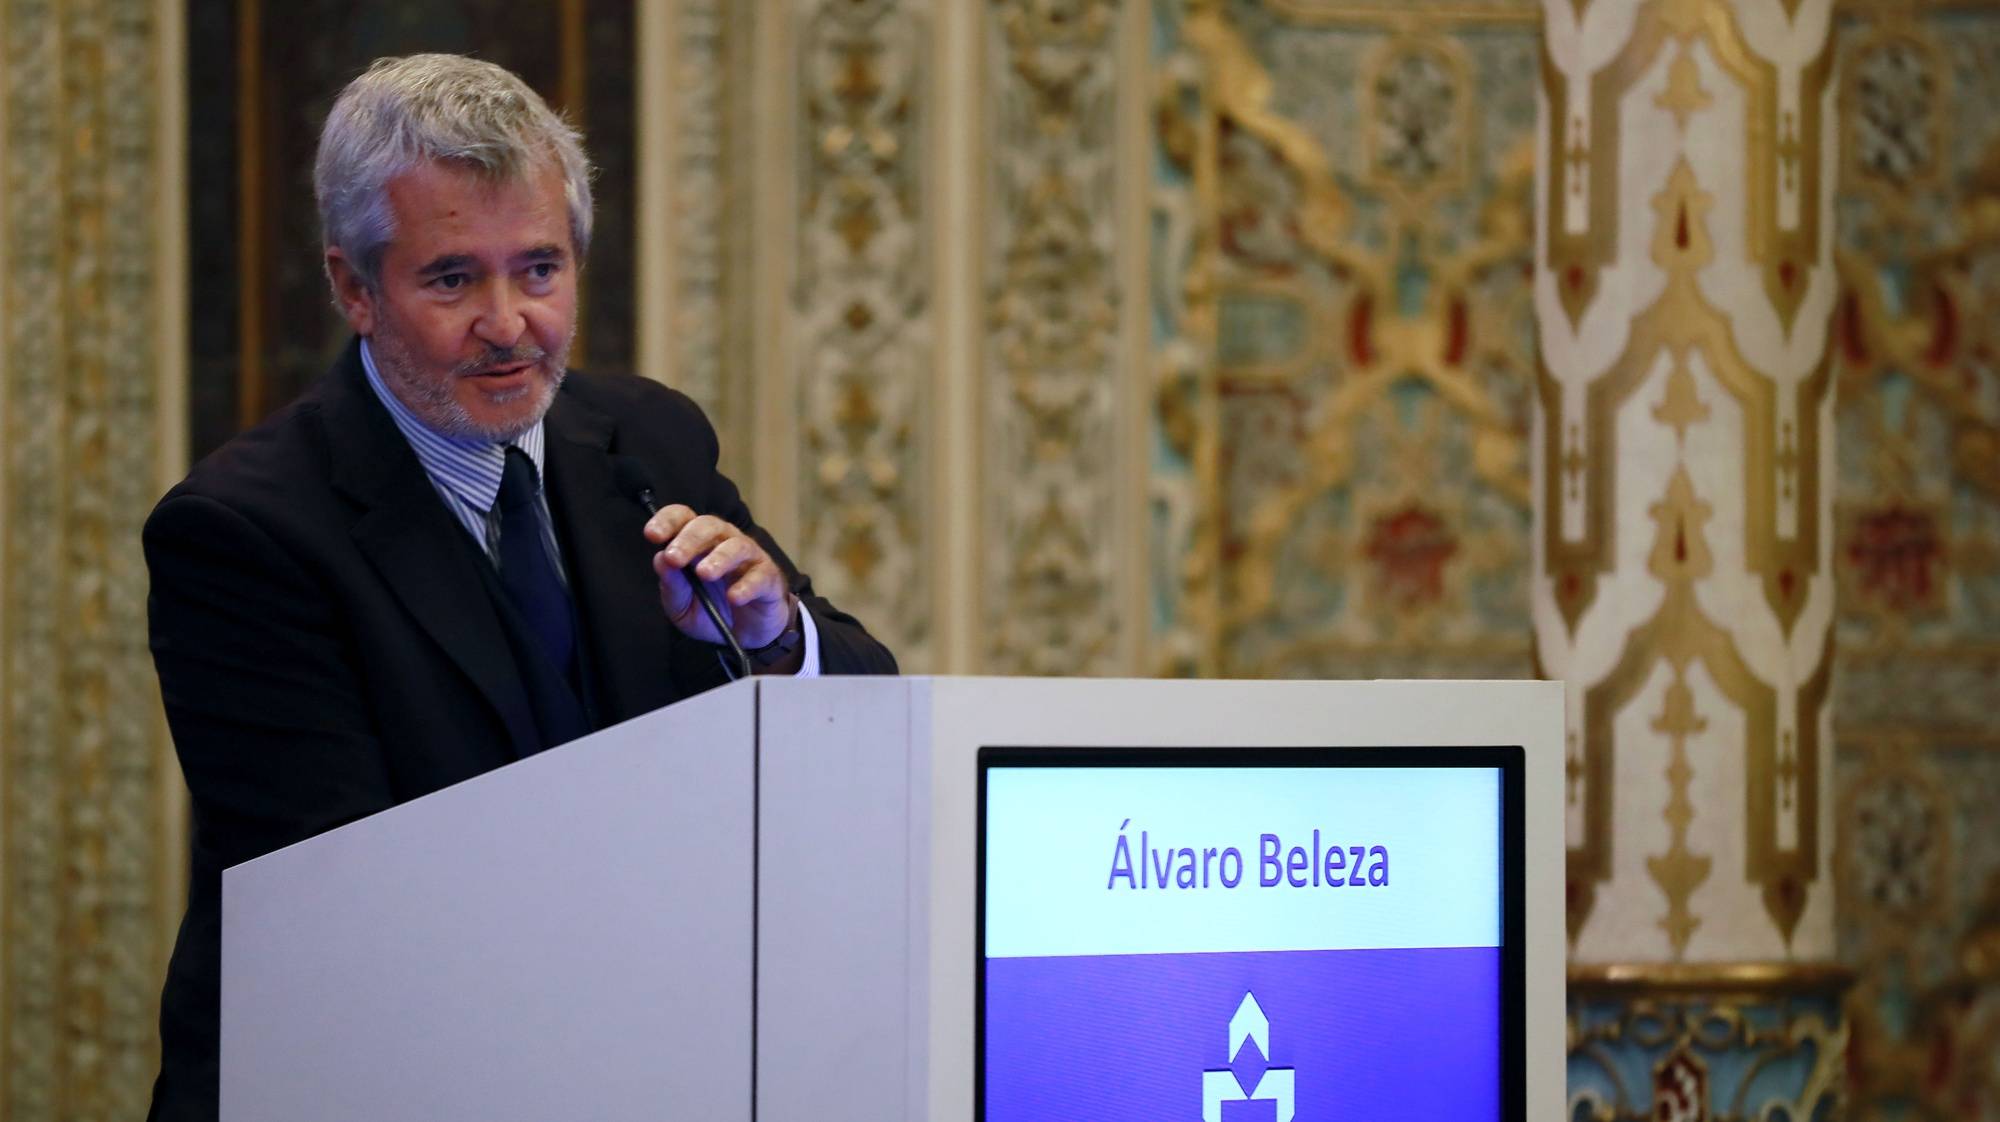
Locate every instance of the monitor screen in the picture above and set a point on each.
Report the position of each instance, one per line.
(1235, 935)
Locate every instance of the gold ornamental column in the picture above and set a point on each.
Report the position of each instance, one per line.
(1684, 289)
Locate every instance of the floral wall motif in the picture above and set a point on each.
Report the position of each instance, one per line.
(90, 851)
(1051, 349)
(862, 317)
(1917, 555)
(701, 214)
(1346, 341)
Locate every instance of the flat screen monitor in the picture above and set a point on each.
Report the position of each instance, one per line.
(1284, 934)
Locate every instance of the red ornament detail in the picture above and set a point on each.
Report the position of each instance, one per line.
(1680, 1088)
(1895, 553)
(1852, 336)
(1360, 331)
(1410, 548)
(1944, 331)
(1788, 274)
(1939, 1071)
(1458, 333)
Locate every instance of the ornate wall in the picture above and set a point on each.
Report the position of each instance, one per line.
(1340, 276)
(1917, 513)
(931, 333)
(1684, 285)
(91, 420)
(1306, 333)
(1199, 337)
(1685, 288)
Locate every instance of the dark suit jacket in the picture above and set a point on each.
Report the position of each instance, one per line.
(326, 648)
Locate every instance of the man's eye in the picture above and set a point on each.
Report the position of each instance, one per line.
(451, 282)
(543, 270)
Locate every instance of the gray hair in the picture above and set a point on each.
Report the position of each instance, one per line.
(403, 112)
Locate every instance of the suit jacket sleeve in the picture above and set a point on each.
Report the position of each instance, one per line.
(267, 714)
(273, 739)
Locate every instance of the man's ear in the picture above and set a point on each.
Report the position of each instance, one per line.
(351, 291)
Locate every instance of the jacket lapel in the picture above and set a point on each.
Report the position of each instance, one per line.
(420, 551)
(629, 645)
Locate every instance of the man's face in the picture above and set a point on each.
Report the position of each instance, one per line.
(471, 322)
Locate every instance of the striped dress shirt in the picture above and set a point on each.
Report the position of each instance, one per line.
(466, 471)
(466, 474)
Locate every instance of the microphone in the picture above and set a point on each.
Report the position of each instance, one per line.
(633, 480)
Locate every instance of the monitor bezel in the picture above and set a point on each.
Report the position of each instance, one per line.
(1509, 760)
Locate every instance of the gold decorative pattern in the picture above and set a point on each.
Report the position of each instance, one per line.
(1680, 324)
(1917, 550)
(86, 840)
(1740, 980)
(862, 307)
(1772, 678)
(1417, 100)
(1684, 95)
(1783, 162)
(1051, 338)
(1892, 140)
(700, 231)
(1679, 871)
(1433, 14)
(1358, 463)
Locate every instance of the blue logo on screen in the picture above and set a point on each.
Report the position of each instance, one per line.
(1274, 1084)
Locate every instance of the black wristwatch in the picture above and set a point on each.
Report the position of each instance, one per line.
(782, 647)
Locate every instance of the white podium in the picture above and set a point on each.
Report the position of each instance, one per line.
(759, 903)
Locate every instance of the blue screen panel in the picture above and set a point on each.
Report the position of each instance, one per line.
(1291, 935)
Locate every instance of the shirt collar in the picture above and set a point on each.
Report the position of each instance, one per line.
(468, 467)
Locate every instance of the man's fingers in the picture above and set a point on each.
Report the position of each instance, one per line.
(666, 522)
(726, 558)
(760, 581)
(675, 590)
(748, 586)
(697, 537)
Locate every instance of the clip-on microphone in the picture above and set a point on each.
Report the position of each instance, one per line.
(632, 480)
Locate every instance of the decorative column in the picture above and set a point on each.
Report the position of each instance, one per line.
(92, 422)
(1682, 472)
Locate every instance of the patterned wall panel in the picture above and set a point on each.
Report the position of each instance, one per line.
(1346, 339)
(1684, 290)
(1685, 286)
(1637, 1053)
(88, 855)
(1052, 296)
(699, 215)
(1918, 558)
(862, 316)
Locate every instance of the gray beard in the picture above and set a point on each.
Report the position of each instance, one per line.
(432, 399)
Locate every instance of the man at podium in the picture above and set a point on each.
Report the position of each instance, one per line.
(445, 556)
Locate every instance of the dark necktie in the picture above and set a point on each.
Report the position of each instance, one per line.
(526, 571)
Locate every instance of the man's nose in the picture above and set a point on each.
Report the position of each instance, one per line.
(503, 322)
